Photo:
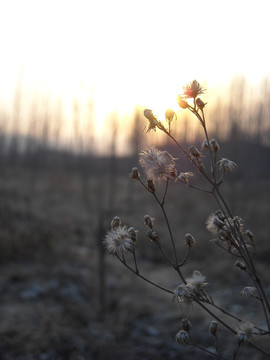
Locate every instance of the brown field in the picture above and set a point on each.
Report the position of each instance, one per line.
(62, 297)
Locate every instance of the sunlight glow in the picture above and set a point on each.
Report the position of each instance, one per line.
(123, 53)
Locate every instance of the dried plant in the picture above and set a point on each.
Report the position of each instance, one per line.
(159, 168)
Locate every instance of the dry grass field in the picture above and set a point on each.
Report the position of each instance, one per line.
(62, 297)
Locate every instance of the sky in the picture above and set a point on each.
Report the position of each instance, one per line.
(120, 53)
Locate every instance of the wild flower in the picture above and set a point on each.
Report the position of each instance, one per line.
(119, 240)
(249, 291)
(226, 165)
(185, 176)
(158, 165)
(182, 337)
(192, 90)
(181, 102)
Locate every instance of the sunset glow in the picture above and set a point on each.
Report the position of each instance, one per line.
(118, 54)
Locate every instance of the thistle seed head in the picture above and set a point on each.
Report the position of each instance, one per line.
(183, 294)
(226, 165)
(184, 177)
(118, 241)
(192, 90)
(158, 165)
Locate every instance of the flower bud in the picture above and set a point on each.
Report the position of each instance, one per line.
(190, 241)
(214, 145)
(153, 236)
(185, 324)
(200, 103)
(134, 173)
(213, 328)
(182, 103)
(151, 186)
(148, 221)
(116, 222)
(169, 114)
(194, 151)
(132, 234)
(182, 337)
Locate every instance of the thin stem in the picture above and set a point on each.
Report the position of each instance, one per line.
(208, 351)
(135, 262)
(143, 277)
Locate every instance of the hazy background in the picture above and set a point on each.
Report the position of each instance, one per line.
(75, 77)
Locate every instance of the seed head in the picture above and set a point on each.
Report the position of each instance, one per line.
(148, 221)
(248, 292)
(134, 173)
(158, 165)
(214, 224)
(190, 241)
(182, 103)
(205, 145)
(214, 145)
(183, 294)
(153, 236)
(194, 152)
(186, 325)
(118, 241)
(226, 165)
(169, 115)
(132, 233)
(197, 282)
(116, 222)
(192, 90)
(182, 337)
(244, 332)
(213, 328)
(184, 177)
(153, 121)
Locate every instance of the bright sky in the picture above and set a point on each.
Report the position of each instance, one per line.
(122, 53)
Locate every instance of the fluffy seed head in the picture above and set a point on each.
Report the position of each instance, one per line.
(153, 121)
(183, 294)
(158, 165)
(118, 241)
(197, 282)
(214, 224)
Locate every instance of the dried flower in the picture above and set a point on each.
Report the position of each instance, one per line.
(214, 145)
(182, 103)
(194, 152)
(249, 291)
(182, 337)
(132, 233)
(169, 115)
(186, 325)
(116, 222)
(148, 221)
(184, 177)
(134, 173)
(200, 103)
(205, 145)
(192, 90)
(240, 265)
(213, 328)
(153, 236)
(197, 282)
(153, 121)
(183, 294)
(158, 165)
(151, 186)
(190, 241)
(226, 165)
(118, 241)
(244, 332)
(214, 224)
